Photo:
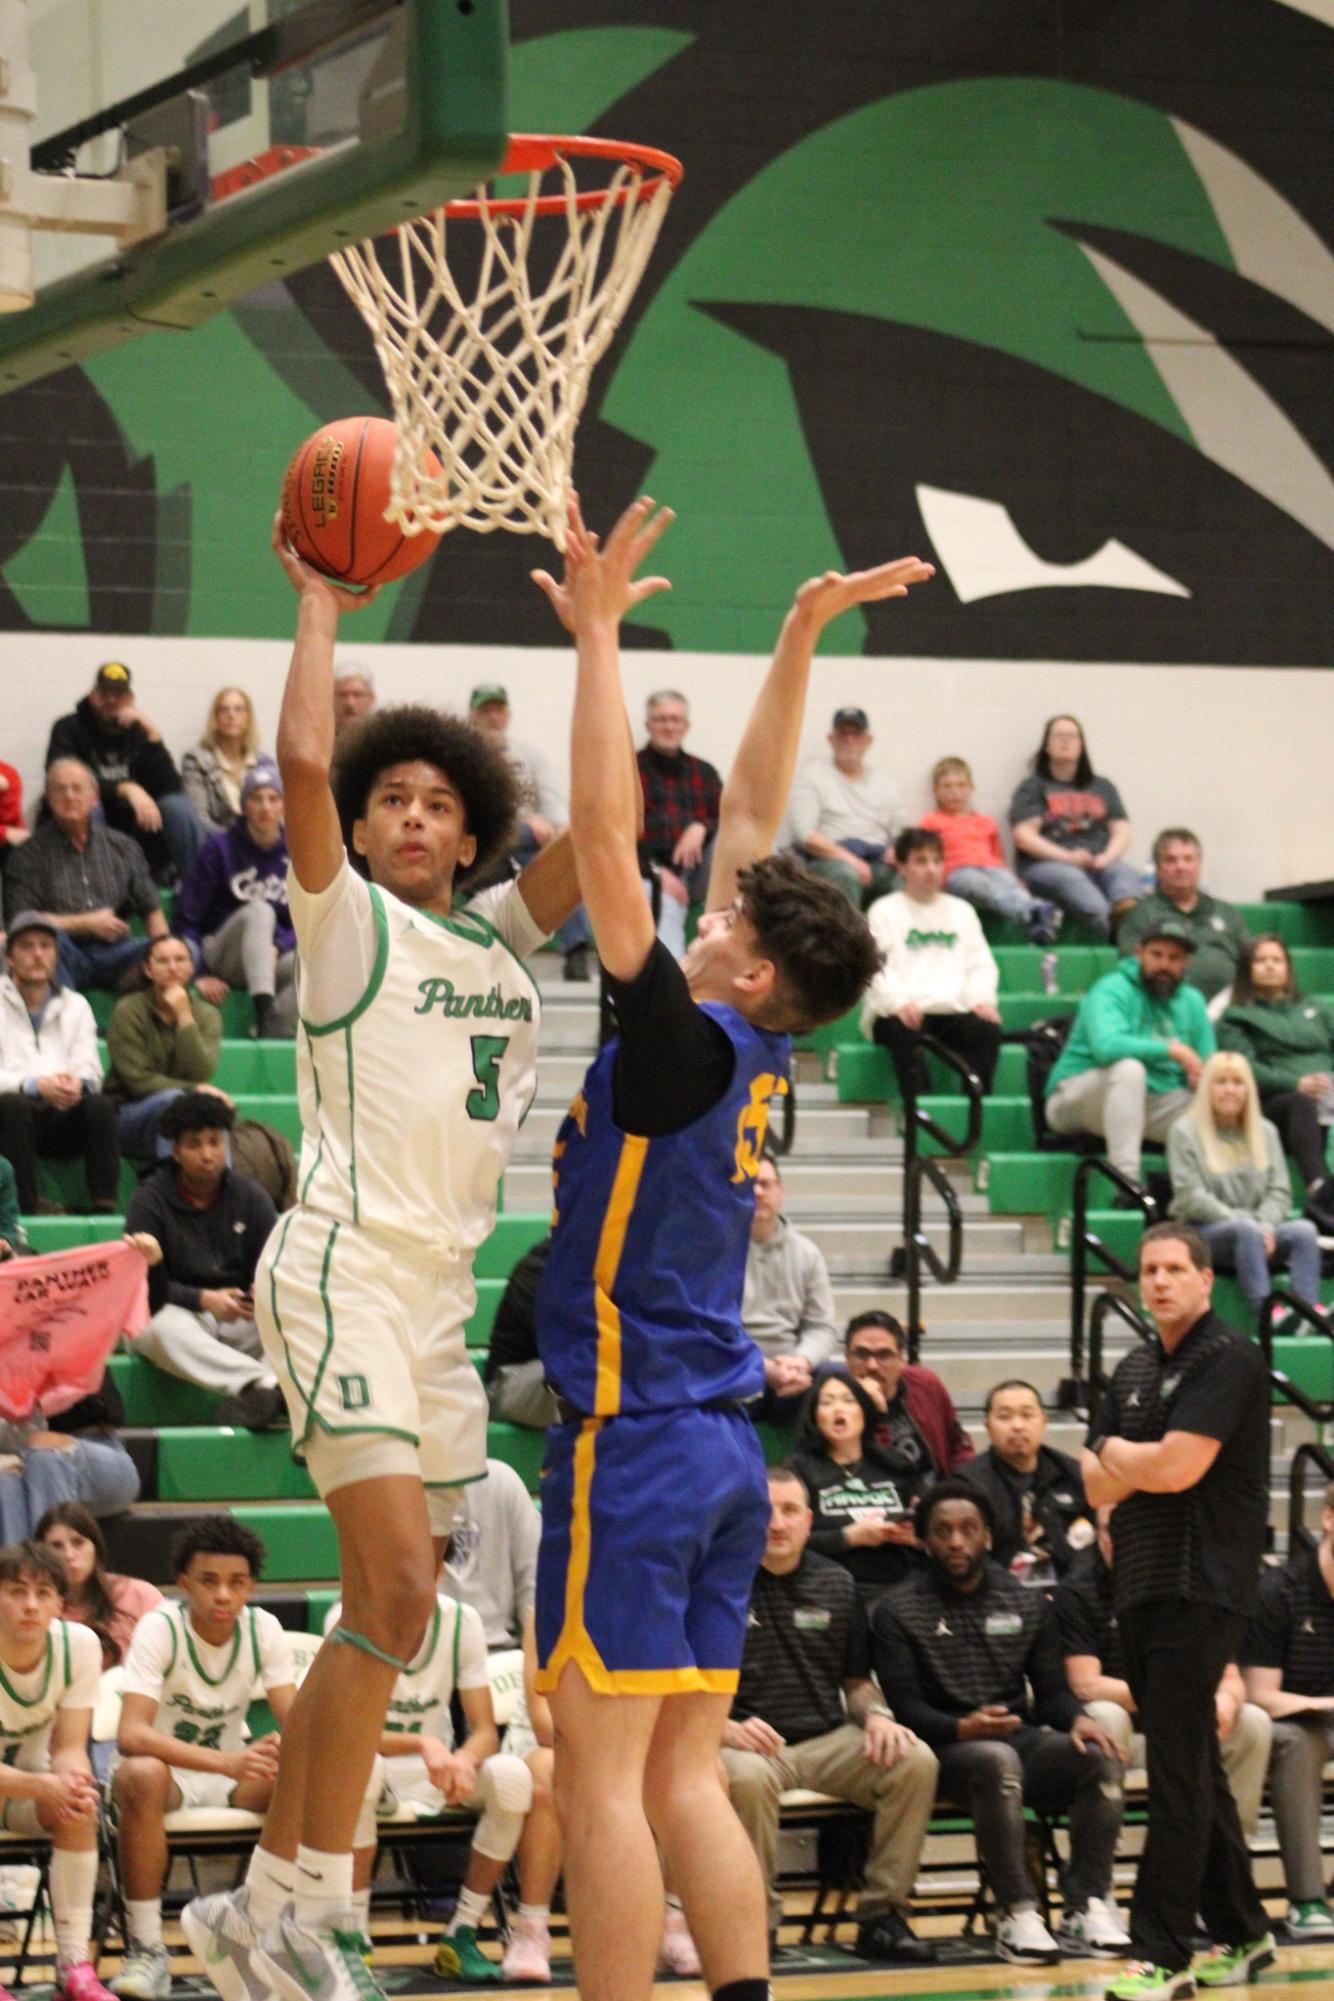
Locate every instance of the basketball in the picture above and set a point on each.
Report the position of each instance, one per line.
(335, 492)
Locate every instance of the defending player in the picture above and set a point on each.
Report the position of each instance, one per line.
(655, 1508)
(49, 1671)
(190, 1678)
(416, 1061)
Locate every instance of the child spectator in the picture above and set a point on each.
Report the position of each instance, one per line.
(233, 911)
(213, 773)
(975, 866)
(109, 1604)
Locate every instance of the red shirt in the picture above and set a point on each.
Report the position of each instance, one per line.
(970, 840)
(11, 801)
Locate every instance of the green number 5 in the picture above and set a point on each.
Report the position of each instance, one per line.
(484, 1099)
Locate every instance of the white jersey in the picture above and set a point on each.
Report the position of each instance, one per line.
(66, 1677)
(453, 1655)
(203, 1693)
(411, 1094)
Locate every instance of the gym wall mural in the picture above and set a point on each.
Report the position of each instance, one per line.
(1039, 289)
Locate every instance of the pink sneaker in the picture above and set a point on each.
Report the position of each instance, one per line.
(677, 1953)
(528, 1954)
(80, 1983)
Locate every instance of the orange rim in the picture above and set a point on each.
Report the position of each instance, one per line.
(531, 152)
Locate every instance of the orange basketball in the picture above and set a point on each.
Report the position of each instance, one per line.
(335, 492)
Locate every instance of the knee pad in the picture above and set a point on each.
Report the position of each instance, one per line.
(504, 1797)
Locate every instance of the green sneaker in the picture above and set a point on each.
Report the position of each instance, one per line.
(1313, 1921)
(1234, 1965)
(1143, 1981)
(459, 1957)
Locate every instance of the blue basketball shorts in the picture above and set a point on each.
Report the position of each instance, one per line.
(653, 1527)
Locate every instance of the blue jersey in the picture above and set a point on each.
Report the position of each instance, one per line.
(639, 1308)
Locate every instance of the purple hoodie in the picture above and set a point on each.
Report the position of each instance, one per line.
(230, 870)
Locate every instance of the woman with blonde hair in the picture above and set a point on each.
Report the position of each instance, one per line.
(1230, 1179)
(214, 771)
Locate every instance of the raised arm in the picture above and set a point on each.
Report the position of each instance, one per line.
(306, 721)
(756, 792)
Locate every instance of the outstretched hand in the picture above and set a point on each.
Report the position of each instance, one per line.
(308, 582)
(823, 598)
(600, 583)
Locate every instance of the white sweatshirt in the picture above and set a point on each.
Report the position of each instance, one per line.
(67, 1041)
(935, 955)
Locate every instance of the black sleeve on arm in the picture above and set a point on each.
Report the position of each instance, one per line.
(897, 1672)
(674, 1063)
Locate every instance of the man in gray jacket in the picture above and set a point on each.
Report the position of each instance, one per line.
(787, 1307)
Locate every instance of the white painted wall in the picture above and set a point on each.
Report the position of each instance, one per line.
(1241, 755)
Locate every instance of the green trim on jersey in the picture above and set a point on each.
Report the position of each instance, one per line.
(464, 1480)
(31, 1702)
(458, 1628)
(491, 937)
(327, 1304)
(377, 973)
(313, 1419)
(213, 1681)
(288, 1220)
(352, 1126)
(319, 1099)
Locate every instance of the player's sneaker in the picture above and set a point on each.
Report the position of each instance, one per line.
(528, 1954)
(1096, 1930)
(223, 1940)
(145, 1974)
(1313, 1920)
(1234, 1965)
(459, 1957)
(1143, 1981)
(678, 1952)
(1023, 1939)
(80, 1983)
(316, 1966)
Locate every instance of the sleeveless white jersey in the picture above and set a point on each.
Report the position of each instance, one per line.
(66, 1677)
(202, 1692)
(410, 1102)
(453, 1655)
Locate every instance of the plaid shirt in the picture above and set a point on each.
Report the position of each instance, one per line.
(677, 791)
(49, 873)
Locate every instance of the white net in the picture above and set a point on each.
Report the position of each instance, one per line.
(487, 386)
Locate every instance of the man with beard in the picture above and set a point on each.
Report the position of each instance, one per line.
(1136, 1050)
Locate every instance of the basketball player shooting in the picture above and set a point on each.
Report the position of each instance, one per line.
(655, 1506)
(416, 1062)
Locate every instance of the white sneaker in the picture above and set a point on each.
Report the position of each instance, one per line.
(678, 1953)
(528, 1954)
(145, 1974)
(1021, 1937)
(1096, 1930)
(316, 1966)
(223, 1940)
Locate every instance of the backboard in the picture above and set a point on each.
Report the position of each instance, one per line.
(289, 128)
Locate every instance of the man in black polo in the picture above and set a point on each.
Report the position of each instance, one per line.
(1036, 1492)
(971, 1662)
(1180, 1448)
(1289, 1655)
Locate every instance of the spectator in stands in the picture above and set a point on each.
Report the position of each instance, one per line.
(354, 694)
(542, 815)
(807, 1713)
(682, 794)
(787, 1306)
(213, 773)
(51, 1099)
(1096, 1671)
(212, 1224)
(189, 1678)
(515, 1383)
(162, 1041)
(1217, 929)
(82, 1461)
(862, 1495)
(1289, 1662)
(971, 1661)
(975, 865)
(491, 1555)
(46, 1783)
(918, 1421)
(1070, 832)
(13, 830)
(13, 1243)
(1039, 1514)
(938, 976)
(1230, 1179)
(232, 909)
(1138, 1047)
(85, 879)
(112, 1605)
(138, 784)
(844, 814)
(1288, 1040)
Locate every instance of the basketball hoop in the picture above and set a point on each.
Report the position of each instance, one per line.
(494, 383)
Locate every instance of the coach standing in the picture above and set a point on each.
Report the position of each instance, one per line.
(1180, 1449)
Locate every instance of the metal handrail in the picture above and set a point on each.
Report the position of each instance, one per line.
(1307, 1454)
(917, 1250)
(1319, 1410)
(1087, 1244)
(1106, 1304)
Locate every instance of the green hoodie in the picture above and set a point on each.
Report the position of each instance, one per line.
(1282, 1040)
(1118, 1017)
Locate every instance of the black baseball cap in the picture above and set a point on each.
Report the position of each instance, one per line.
(1172, 929)
(851, 719)
(114, 675)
